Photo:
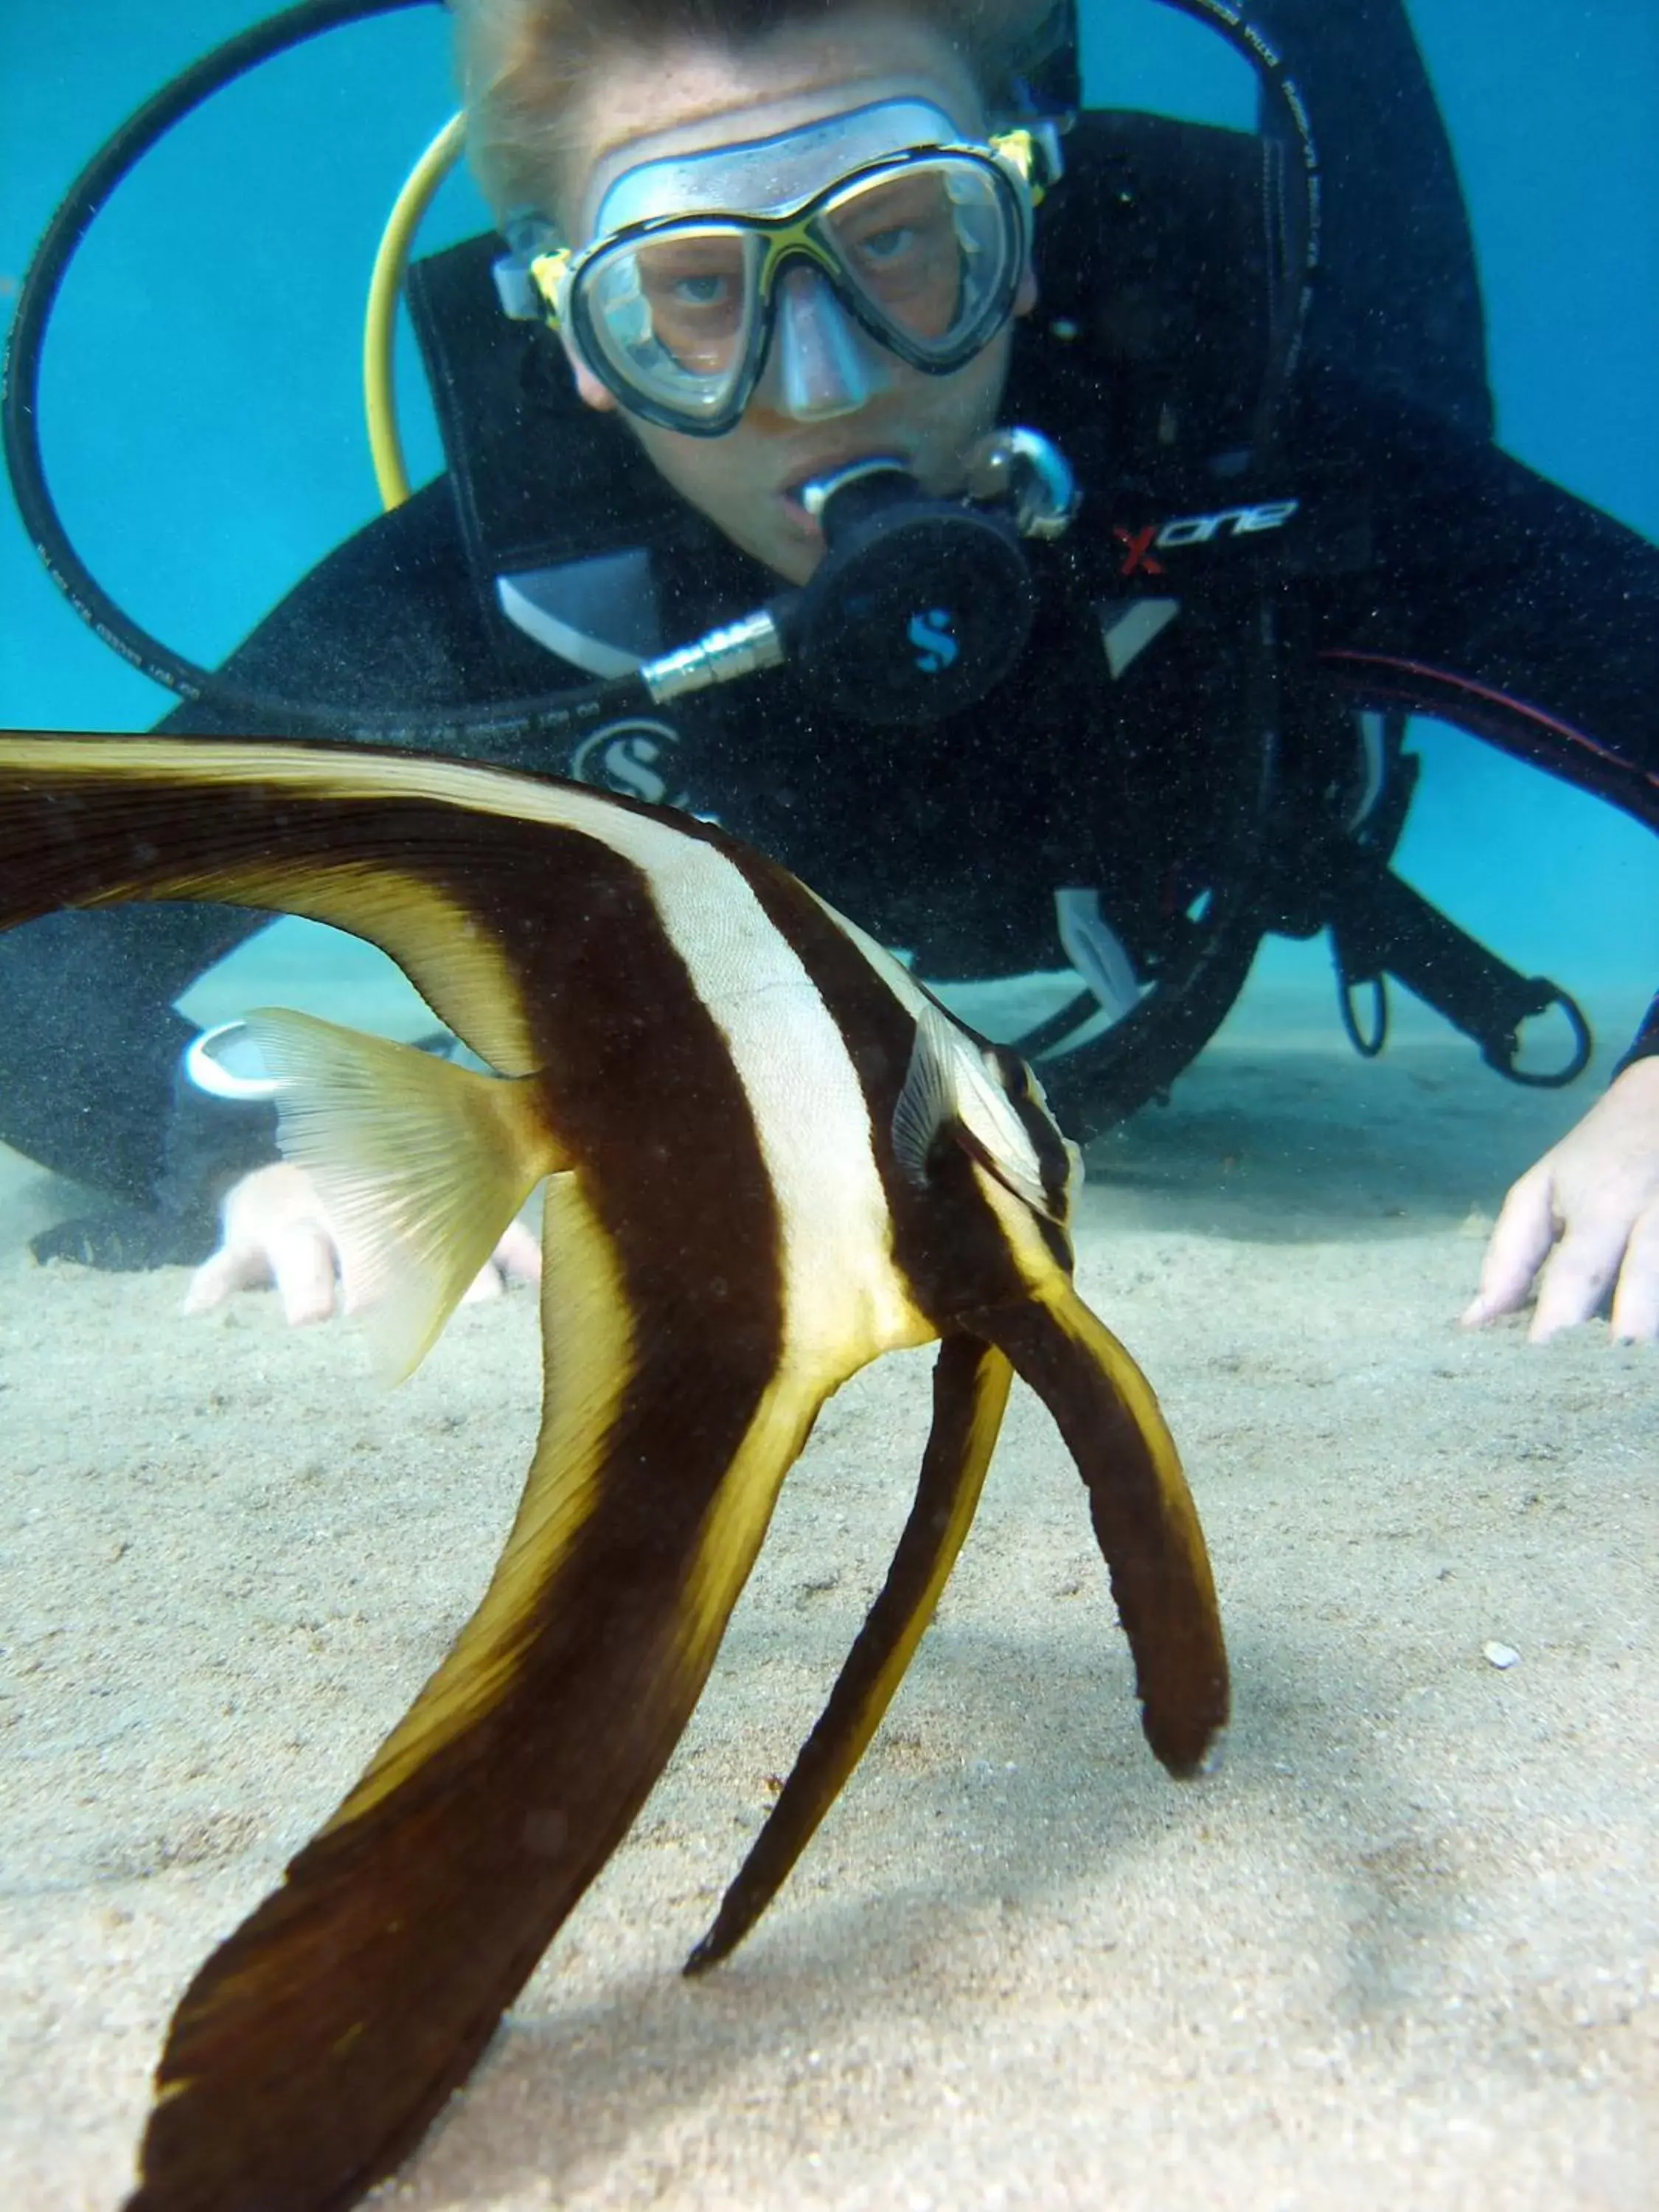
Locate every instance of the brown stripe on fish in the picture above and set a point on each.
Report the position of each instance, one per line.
(551, 939)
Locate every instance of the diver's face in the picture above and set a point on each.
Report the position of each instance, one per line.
(859, 399)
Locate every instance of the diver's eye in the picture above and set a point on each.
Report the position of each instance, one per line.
(709, 291)
(887, 245)
(693, 287)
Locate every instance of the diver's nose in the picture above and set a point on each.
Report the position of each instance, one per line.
(823, 364)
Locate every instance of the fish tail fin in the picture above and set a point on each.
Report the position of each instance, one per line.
(420, 1165)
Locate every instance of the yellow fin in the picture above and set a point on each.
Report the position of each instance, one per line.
(970, 1391)
(420, 1166)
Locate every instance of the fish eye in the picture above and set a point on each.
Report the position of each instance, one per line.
(1010, 1071)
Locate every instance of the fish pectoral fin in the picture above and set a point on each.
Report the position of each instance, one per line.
(949, 1092)
(316, 2043)
(1145, 1519)
(420, 1166)
(971, 1380)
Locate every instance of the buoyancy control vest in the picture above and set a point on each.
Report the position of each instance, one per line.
(1163, 778)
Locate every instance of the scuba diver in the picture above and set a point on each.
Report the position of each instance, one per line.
(1031, 525)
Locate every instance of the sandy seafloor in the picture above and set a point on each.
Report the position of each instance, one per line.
(1400, 1953)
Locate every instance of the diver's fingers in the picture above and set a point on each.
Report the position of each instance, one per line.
(970, 1390)
(1579, 1273)
(228, 1270)
(302, 1262)
(516, 1259)
(1528, 1225)
(518, 1255)
(274, 1231)
(1636, 1301)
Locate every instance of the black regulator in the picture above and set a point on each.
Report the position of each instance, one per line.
(919, 606)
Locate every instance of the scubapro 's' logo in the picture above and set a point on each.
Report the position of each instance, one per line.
(930, 633)
(626, 757)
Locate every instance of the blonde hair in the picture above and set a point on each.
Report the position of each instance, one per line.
(522, 62)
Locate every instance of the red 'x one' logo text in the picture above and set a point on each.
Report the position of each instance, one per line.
(1138, 550)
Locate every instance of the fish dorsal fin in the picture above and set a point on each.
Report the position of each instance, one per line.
(948, 1086)
(420, 1166)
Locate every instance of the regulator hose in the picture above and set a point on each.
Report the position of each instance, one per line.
(490, 733)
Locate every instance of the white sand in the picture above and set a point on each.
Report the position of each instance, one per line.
(1401, 1953)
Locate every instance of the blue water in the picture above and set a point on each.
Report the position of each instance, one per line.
(202, 418)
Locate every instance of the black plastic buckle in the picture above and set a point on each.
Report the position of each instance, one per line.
(1499, 1052)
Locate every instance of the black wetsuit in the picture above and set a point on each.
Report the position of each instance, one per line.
(1374, 553)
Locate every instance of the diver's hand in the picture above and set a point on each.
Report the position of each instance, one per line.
(274, 1230)
(1588, 1214)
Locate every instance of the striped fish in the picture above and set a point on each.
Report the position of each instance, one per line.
(769, 1157)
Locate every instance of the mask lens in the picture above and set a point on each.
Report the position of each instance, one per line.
(933, 249)
(673, 315)
(926, 252)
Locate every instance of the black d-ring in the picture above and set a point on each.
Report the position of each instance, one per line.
(1367, 1046)
(1499, 1052)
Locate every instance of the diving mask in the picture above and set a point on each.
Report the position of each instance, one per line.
(921, 237)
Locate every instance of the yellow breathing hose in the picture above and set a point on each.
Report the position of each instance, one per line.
(381, 321)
